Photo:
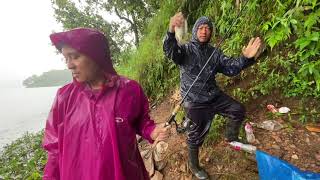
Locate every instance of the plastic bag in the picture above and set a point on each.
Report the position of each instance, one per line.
(271, 167)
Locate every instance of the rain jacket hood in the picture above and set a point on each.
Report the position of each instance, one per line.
(199, 22)
(91, 135)
(88, 41)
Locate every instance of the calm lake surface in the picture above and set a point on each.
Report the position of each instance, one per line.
(23, 110)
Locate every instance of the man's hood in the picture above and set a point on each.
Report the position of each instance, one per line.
(199, 22)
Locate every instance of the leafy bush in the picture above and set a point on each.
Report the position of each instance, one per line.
(23, 158)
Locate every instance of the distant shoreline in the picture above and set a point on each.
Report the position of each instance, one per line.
(48, 79)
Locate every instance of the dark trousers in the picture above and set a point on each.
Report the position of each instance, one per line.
(202, 115)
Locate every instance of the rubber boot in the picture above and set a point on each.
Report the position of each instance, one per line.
(194, 167)
(232, 131)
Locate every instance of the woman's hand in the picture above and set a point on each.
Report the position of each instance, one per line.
(160, 133)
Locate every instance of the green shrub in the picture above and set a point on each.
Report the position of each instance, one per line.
(23, 158)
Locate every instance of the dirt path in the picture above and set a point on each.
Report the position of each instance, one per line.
(294, 144)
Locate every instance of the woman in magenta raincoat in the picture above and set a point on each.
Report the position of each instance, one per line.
(92, 126)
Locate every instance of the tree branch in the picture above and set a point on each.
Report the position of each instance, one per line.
(122, 17)
(133, 26)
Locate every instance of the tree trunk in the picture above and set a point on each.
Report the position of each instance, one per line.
(238, 4)
(135, 30)
(134, 27)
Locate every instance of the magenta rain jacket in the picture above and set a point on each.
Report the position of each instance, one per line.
(92, 135)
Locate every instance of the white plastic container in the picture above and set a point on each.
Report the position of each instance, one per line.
(244, 147)
(284, 110)
(249, 133)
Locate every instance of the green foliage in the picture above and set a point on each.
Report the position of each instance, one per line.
(311, 70)
(279, 29)
(147, 64)
(215, 132)
(308, 114)
(133, 15)
(47, 79)
(24, 158)
(71, 16)
(241, 95)
(180, 116)
(290, 29)
(297, 21)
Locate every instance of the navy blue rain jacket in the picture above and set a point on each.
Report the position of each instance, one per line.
(192, 56)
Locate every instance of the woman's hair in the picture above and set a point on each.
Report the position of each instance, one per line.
(60, 45)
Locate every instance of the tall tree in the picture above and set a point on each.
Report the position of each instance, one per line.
(71, 16)
(135, 12)
(89, 13)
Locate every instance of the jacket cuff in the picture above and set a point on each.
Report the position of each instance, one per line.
(171, 34)
(249, 61)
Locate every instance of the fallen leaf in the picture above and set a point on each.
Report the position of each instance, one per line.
(313, 128)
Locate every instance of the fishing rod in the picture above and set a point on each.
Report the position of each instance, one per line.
(172, 116)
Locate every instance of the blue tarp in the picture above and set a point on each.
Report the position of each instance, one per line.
(271, 167)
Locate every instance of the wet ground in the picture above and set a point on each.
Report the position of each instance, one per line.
(293, 143)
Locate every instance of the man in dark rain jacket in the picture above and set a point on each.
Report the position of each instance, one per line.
(205, 98)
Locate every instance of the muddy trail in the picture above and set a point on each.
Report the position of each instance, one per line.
(294, 144)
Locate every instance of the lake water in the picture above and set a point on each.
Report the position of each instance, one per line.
(23, 110)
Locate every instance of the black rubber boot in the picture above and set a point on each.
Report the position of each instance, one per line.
(194, 167)
(232, 131)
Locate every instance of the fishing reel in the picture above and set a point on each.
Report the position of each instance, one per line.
(184, 126)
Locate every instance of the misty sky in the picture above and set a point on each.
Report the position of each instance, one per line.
(24, 39)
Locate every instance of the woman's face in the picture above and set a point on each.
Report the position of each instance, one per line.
(83, 68)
